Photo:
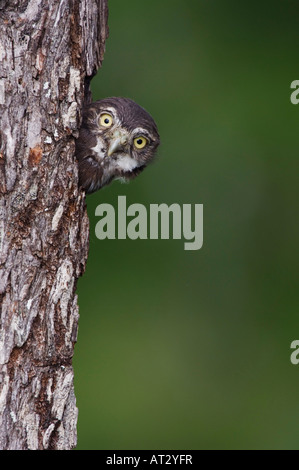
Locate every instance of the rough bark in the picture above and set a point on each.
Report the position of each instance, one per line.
(49, 51)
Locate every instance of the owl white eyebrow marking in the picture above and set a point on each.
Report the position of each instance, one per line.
(109, 110)
(140, 130)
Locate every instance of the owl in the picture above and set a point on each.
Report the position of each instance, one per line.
(117, 140)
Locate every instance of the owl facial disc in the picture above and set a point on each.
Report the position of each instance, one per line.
(117, 140)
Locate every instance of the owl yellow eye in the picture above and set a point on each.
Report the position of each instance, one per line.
(106, 120)
(140, 142)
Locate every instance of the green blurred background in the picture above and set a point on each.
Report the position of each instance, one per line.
(191, 349)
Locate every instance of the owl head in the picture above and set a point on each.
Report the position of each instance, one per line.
(117, 140)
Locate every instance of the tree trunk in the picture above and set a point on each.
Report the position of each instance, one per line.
(49, 51)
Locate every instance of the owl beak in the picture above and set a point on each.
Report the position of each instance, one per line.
(117, 143)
